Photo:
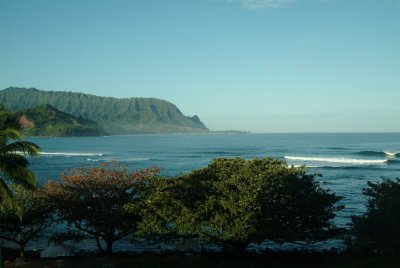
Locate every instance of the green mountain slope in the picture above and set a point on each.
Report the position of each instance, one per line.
(45, 120)
(117, 116)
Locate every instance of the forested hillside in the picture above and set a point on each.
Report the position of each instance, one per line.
(116, 116)
(45, 120)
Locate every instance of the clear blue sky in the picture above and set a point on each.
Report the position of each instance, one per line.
(258, 65)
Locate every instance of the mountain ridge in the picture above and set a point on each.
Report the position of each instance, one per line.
(116, 115)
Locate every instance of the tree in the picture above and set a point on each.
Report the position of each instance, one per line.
(234, 202)
(158, 210)
(13, 164)
(37, 215)
(378, 229)
(93, 200)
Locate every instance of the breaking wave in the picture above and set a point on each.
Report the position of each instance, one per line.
(338, 160)
(380, 153)
(390, 153)
(70, 154)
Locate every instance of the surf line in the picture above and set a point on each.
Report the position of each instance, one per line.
(70, 154)
(337, 160)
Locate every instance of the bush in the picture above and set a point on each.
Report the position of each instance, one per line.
(378, 230)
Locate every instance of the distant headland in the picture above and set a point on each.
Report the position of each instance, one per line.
(61, 113)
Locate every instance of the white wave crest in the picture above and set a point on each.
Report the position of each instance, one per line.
(391, 153)
(338, 160)
(70, 154)
(93, 160)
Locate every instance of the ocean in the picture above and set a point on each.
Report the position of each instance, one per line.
(346, 161)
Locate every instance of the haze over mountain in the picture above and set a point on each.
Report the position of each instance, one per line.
(116, 116)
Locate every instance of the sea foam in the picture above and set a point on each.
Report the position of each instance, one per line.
(380, 153)
(392, 153)
(70, 154)
(338, 160)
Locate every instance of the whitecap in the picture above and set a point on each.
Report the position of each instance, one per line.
(93, 160)
(338, 160)
(70, 154)
(391, 153)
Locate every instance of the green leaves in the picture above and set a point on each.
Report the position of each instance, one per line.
(23, 219)
(233, 202)
(378, 229)
(13, 164)
(45, 120)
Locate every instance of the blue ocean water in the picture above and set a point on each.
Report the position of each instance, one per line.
(346, 161)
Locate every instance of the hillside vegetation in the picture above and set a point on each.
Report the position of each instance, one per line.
(45, 120)
(117, 116)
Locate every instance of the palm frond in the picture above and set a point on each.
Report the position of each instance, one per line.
(23, 147)
(14, 167)
(9, 133)
(6, 196)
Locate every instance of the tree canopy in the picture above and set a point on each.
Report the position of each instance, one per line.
(378, 229)
(233, 202)
(36, 215)
(93, 199)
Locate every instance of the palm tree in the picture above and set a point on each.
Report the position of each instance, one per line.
(13, 164)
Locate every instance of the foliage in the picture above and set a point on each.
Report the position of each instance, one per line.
(117, 116)
(159, 208)
(235, 201)
(93, 200)
(378, 230)
(13, 164)
(45, 120)
(37, 215)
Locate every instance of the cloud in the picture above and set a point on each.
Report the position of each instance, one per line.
(264, 4)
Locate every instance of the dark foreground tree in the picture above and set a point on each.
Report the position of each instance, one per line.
(13, 164)
(93, 199)
(234, 202)
(36, 215)
(378, 230)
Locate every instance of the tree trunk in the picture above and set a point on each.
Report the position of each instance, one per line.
(109, 247)
(21, 249)
(99, 245)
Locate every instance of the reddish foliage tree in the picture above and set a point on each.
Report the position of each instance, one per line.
(93, 200)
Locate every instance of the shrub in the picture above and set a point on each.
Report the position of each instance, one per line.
(378, 230)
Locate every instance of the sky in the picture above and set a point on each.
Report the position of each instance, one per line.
(254, 65)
